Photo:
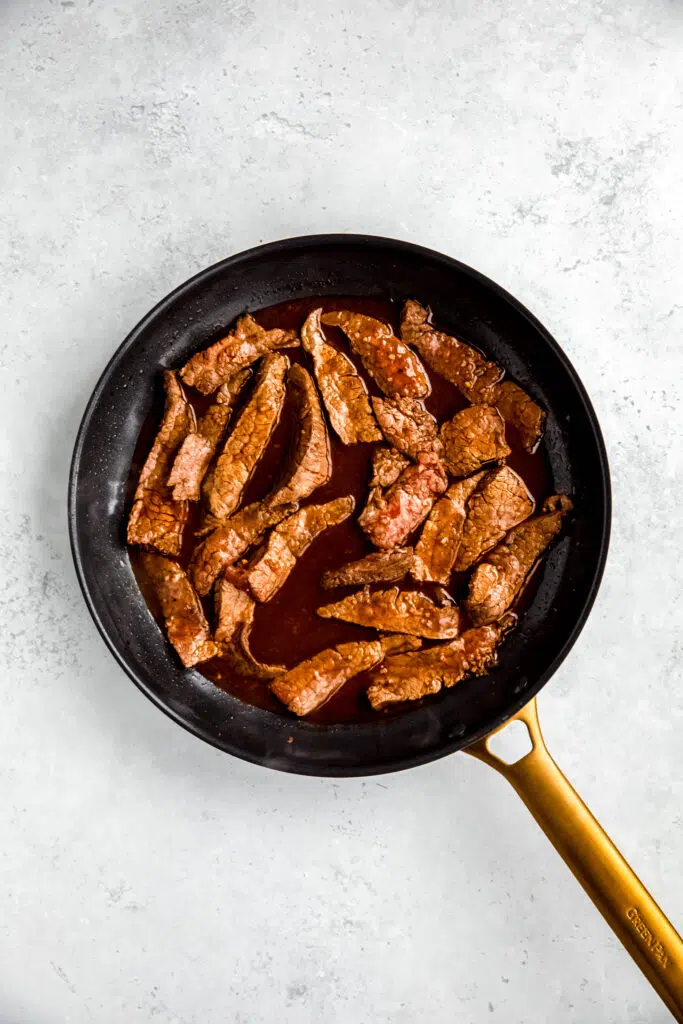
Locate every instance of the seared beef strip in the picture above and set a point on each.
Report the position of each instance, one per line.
(396, 611)
(310, 465)
(343, 389)
(235, 613)
(477, 378)
(156, 519)
(407, 425)
(379, 567)
(389, 519)
(185, 621)
(496, 582)
(213, 366)
(440, 539)
(288, 542)
(387, 466)
(229, 541)
(473, 437)
(196, 451)
(412, 676)
(247, 441)
(309, 685)
(396, 369)
(501, 502)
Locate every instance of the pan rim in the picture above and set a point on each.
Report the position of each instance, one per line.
(392, 763)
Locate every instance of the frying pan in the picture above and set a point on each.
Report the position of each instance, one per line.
(466, 304)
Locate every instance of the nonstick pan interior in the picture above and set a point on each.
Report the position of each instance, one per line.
(464, 303)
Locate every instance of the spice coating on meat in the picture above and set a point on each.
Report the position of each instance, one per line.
(496, 582)
(213, 366)
(389, 518)
(473, 437)
(196, 451)
(407, 425)
(310, 465)
(439, 541)
(248, 439)
(343, 389)
(235, 614)
(310, 684)
(387, 466)
(501, 502)
(394, 367)
(156, 519)
(379, 567)
(458, 362)
(406, 677)
(229, 541)
(396, 611)
(184, 617)
(288, 541)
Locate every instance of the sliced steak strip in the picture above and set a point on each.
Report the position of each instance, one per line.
(473, 437)
(156, 519)
(184, 618)
(387, 466)
(309, 685)
(501, 502)
(458, 362)
(229, 541)
(412, 676)
(389, 518)
(248, 439)
(379, 567)
(497, 581)
(235, 614)
(407, 425)
(288, 542)
(440, 539)
(394, 367)
(310, 465)
(213, 366)
(196, 451)
(519, 410)
(396, 611)
(343, 389)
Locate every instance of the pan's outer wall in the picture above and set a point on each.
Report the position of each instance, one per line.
(196, 314)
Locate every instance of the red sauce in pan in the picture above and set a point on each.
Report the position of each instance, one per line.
(287, 628)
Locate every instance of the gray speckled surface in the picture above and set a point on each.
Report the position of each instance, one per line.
(144, 875)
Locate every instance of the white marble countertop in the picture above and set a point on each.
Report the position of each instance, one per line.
(145, 876)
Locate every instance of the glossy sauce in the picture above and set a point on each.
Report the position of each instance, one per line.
(287, 629)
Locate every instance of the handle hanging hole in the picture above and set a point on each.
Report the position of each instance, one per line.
(512, 743)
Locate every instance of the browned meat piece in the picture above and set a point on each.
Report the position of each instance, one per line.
(396, 611)
(501, 502)
(389, 519)
(473, 437)
(379, 567)
(412, 676)
(519, 410)
(230, 540)
(156, 519)
(208, 369)
(196, 451)
(387, 466)
(309, 685)
(407, 425)
(343, 389)
(440, 539)
(247, 441)
(287, 543)
(497, 581)
(235, 614)
(185, 621)
(458, 362)
(310, 465)
(396, 369)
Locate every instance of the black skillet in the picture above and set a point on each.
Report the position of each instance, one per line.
(470, 306)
